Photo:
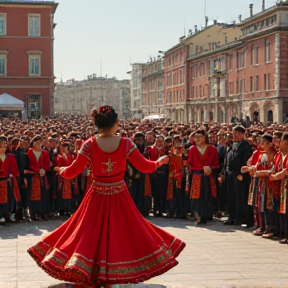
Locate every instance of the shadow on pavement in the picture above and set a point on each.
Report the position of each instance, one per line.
(214, 225)
(34, 228)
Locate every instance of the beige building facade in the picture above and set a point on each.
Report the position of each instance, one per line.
(81, 96)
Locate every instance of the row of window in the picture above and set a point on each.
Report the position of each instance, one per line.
(34, 24)
(34, 65)
(200, 91)
(175, 96)
(218, 65)
(175, 79)
(149, 101)
(254, 84)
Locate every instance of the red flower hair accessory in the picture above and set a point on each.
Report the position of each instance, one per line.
(93, 113)
(105, 110)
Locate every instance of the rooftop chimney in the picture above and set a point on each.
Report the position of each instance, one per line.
(251, 10)
(263, 5)
(215, 22)
(206, 21)
(196, 29)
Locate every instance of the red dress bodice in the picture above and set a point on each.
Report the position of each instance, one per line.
(108, 167)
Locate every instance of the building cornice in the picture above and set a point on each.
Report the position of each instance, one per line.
(216, 51)
(33, 4)
(264, 32)
(263, 14)
(34, 52)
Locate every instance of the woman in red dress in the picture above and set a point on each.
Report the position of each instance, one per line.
(107, 241)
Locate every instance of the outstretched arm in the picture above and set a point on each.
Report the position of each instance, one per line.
(74, 169)
(144, 165)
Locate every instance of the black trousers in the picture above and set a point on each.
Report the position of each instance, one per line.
(159, 192)
(237, 198)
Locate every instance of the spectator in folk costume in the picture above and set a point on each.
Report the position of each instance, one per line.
(25, 179)
(204, 165)
(39, 163)
(9, 191)
(177, 177)
(159, 179)
(283, 176)
(265, 189)
(65, 187)
(137, 188)
(253, 189)
(150, 138)
(22, 165)
(51, 175)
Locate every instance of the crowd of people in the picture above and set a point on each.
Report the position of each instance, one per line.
(214, 170)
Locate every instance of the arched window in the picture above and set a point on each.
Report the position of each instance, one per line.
(211, 116)
(270, 116)
(256, 116)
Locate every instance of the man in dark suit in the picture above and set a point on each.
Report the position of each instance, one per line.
(237, 184)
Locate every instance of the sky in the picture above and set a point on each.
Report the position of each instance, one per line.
(105, 36)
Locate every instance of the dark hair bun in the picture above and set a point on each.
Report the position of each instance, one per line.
(104, 117)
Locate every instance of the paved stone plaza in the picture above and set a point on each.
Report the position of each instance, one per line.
(215, 256)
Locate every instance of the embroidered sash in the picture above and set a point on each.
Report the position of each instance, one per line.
(269, 198)
(36, 188)
(147, 185)
(252, 191)
(66, 189)
(283, 196)
(170, 187)
(250, 194)
(196, 186)
(76, 186)
(16, 190)
(3, 192)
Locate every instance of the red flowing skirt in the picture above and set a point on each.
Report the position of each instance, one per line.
(107, 241)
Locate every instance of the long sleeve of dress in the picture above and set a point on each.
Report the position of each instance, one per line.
(75, 168)
(138, 160)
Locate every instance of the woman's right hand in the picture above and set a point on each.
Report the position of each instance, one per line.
(163, 160)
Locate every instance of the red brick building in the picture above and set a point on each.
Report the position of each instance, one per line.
(174, 81)
(246, 78)
(26, 53)
(177, 70)
(152, 87)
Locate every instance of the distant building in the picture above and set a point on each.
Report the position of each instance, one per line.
(81, 96)
(27, 53)
(246, 78)
(136, 75)
(152, 87)
(178, 72)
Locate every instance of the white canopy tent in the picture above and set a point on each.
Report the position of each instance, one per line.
(8, 102)
(154, 117)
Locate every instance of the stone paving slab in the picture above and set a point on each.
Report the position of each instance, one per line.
(215, 256)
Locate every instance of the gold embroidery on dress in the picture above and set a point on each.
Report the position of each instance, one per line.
(109, 166)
